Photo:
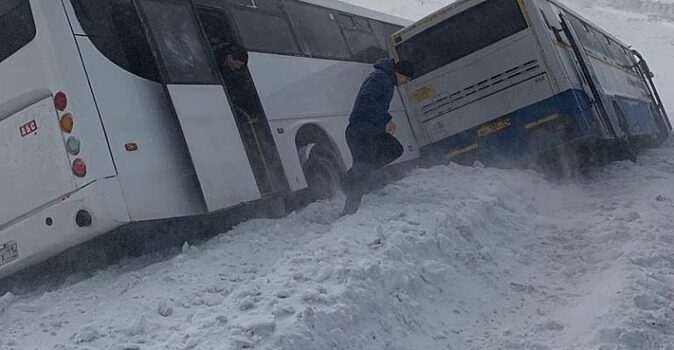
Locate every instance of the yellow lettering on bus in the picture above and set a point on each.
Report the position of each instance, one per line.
(493, 127)
(423, 93)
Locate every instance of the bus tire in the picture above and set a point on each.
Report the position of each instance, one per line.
(561, 161)
(322, 172)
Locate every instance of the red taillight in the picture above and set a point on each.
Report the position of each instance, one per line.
(60, 101)
(79, 168)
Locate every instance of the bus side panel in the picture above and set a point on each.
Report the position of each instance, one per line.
(315, 91)
(624, 89)
(32, 152)
(563, 64)
(630, 97)
(156, 175)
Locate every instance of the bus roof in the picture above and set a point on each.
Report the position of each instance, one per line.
(569, 10)
(358, 10)
(411, 29)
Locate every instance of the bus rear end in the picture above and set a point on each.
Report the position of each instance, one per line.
(58, 187)
(482, 85)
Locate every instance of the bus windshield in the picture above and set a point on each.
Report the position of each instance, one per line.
(177, 36)
(463, 34)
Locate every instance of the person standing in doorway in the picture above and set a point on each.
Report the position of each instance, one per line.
(236, 57)
(371, 128)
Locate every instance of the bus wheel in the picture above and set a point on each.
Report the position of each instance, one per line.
(322, 172)
(562, 162)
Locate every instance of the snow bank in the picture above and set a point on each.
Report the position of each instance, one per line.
(449, 258)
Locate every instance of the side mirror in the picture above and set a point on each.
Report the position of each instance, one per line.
(645, 69)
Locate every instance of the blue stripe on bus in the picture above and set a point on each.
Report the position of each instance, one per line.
(567, 116)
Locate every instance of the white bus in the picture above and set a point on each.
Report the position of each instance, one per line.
(516, 77)
(117, 111)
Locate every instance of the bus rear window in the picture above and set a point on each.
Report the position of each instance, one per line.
(17, 27)
(114, 27)
(463, 34)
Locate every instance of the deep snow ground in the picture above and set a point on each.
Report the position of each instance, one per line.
(451, 257)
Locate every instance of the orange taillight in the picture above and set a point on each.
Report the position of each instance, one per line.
(67, 123)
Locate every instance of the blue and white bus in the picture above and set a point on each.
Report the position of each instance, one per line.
(514, 78)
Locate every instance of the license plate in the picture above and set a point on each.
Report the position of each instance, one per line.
(8, 252)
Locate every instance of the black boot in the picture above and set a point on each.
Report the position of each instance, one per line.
(351, 206)
(354, 194)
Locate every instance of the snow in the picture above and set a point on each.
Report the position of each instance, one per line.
(451, 257)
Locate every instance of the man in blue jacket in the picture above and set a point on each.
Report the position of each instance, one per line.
(370, 131)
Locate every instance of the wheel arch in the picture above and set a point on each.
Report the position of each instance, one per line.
(312, 133)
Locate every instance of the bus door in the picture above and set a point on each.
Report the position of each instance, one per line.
(609, 118)
(191, 81)
(245, 102)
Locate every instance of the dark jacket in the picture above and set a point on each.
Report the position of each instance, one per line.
(370, 112)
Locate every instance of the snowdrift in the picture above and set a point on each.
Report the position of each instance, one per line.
(449, 258)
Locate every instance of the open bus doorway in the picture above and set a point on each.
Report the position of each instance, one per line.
(230, 144)
(246, 106)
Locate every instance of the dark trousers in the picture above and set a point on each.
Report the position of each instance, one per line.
(370, 151)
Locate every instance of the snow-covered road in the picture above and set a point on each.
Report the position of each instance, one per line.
(449, 258)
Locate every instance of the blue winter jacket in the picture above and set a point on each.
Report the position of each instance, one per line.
(370, 111)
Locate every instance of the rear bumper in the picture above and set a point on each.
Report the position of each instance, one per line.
(37, 241)
(560, 118)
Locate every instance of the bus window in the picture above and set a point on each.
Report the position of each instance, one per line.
(17, 27)
(265, 32)
(463, 34)
(318, 30)
(270, 5)
(114, 28)
(217, 30)
(185, 59)
(360, 38)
